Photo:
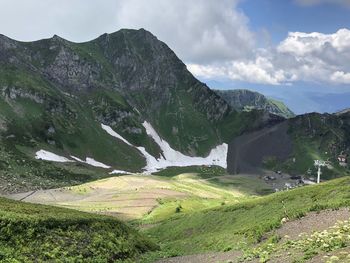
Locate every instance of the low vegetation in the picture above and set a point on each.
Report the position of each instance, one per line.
(20, 172)
(328, 246)
(37, 233)
(241, 226)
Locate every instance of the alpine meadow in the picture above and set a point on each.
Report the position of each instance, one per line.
(193, 131)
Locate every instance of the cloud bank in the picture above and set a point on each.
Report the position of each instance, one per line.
(313, 57)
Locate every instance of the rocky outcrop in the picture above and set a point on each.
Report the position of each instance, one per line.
(12, 93)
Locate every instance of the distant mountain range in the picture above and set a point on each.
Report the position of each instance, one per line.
(246, 100)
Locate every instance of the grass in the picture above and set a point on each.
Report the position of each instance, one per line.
(19, 172)
(193, 130)
(147, 199)
(330, 244)
(169, 207)
(284, 110)
(24, 130)
(150, 199)
(37, 233)
(241, 225)
(200, 171)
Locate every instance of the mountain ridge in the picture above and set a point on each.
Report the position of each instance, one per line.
(246, 100)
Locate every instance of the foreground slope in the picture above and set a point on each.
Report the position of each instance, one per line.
(244, 225)
(37, 233)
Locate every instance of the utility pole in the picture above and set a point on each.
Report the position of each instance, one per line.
(319, 164)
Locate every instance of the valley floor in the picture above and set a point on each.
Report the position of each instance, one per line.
(149, 197)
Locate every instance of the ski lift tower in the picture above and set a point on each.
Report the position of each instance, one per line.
(319, 164)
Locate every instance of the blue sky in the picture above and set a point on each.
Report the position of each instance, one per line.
(272, 20)
(294, 50)
(279, 17)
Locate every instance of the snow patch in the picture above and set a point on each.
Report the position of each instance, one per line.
(91, 162)
(49, 156)
(110, 131)
(171, 157)
(217, 156)
(119, 172)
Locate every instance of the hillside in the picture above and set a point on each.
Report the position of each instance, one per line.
(37, 233)
(246, 100)
(55, 94)
(293, 145)
(246, 231)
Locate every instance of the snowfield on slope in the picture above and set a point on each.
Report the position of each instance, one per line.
(171, 157)
(49, 156)
(91, 162)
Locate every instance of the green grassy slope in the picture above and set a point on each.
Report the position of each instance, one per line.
(39, 107)
(242, 225)
(282, 108)
(37, 233)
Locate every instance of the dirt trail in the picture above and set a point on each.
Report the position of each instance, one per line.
(314, 221)
(231, 256)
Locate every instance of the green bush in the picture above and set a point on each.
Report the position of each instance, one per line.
(37, 233)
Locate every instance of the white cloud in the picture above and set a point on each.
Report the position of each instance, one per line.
(199, 31)
(300, 43)
(260, 70)
(311, 57)
(341, 77)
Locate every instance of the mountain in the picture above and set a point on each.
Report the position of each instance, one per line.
(246, 100)
(119, 101)
(292, 146)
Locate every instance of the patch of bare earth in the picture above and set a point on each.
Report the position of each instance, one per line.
(313, 221)
(231, 256)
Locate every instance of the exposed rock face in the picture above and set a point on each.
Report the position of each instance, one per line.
(143, 64)
(12, 93)
(70, 71)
